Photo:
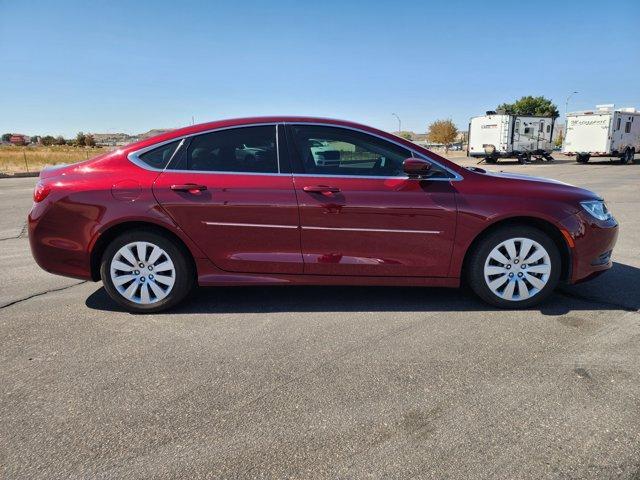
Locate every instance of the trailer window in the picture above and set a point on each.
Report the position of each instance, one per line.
(541, 126)
(518, 126)
(548, 128)
(627, 127)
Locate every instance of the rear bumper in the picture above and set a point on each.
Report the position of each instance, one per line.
(594, 241)
(58, 244)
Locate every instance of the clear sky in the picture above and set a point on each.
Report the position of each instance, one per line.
(116, 66)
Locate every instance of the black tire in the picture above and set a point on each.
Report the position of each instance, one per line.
(474, 268)
(491, 160)
(184, 273)
(627, 157)
(582, 158)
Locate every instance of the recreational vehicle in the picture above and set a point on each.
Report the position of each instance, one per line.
(603, 132)
(500, 135)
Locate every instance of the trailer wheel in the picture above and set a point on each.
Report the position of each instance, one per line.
(491, 160)
(627, 157)
(582, 158)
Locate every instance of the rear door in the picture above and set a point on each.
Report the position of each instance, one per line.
(232, 192)
(360, 214)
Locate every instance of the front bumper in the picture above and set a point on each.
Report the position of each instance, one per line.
(594, 241)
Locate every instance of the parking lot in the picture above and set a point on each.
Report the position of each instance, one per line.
(323, 382)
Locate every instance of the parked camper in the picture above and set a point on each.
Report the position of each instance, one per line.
(500, 135)
(603, 132)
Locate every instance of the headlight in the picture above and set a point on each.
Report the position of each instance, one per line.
(597, 209)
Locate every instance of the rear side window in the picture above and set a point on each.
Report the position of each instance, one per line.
(159, 157)
(241, 150)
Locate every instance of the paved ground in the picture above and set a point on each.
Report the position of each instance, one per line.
(323, 382)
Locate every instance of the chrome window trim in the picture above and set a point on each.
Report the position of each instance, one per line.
(134, 157)
(456, 176)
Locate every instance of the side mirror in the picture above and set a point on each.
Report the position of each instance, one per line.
(416, 167)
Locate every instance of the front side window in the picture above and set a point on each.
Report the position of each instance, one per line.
(159, 157)
(339, 151)
(241, 150)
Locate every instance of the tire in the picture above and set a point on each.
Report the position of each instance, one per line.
(582, 158)
(627, 157)
(528, 285)
(491, 160)
(143, 288)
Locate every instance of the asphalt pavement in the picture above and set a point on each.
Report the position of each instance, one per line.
(323, 382)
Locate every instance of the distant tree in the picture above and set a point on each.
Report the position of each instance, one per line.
(535, 106)
(60, 140)
(559, 140)
(80, 139)
(6, 137)
(48, 140)
(406, 135)
(34, 139)
(442, 131)
(89, 141)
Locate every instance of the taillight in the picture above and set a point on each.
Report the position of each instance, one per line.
(41, 191)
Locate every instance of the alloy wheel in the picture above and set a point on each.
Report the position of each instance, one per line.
(142, 272)
(517, 269)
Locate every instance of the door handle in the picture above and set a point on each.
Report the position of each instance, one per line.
(320, 189)
(188, 187)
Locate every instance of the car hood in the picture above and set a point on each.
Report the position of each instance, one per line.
(537, 187)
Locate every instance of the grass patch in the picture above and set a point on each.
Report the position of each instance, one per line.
(15, 159)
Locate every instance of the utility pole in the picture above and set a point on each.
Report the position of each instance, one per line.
(566, 120)
(399, 123)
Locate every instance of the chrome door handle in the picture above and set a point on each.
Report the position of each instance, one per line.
(320, 189)
(188, 187)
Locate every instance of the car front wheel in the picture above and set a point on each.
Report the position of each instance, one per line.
(146, 272)
(514, 267)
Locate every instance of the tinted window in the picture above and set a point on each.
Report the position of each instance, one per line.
(159, 157)
(245, 149)
(339, 151)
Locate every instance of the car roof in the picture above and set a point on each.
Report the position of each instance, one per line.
(236, 122)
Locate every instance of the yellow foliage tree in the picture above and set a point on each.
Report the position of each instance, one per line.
(442, 131)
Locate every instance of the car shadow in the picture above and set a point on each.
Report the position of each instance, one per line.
(612, 291)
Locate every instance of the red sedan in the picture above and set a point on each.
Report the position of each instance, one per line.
(289, 200)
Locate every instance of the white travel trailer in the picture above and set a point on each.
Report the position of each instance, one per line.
(500, 135)
(603, 132)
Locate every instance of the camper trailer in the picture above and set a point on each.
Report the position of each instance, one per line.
(499, 135)
(603, 132)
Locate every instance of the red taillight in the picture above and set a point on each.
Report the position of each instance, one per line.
(40, 192)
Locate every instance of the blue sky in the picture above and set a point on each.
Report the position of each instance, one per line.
(131, 66)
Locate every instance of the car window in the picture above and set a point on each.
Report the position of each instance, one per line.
(242, 150)
(339, 151)
(159, 157)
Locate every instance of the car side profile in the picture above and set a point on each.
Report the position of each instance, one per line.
(298, 200)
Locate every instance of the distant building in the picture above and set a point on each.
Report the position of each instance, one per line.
(19, 139)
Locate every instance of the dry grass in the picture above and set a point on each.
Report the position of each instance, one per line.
(21, 159)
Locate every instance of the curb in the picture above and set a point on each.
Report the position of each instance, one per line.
(20, 175)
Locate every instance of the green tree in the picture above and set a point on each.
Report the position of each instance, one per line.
(80, 137)
(48, 140)
(60, 140)
(406, 135)
(442, 131)
(559, 140)
(89, 141)
(6, 137)
(534, 106)
(34, 139)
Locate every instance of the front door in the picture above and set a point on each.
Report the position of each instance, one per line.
(360, 214)
(228, 191)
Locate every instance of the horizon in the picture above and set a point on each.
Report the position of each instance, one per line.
(132, 70)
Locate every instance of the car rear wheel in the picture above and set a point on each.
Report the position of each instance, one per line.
(146, 272)
(514, 267)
